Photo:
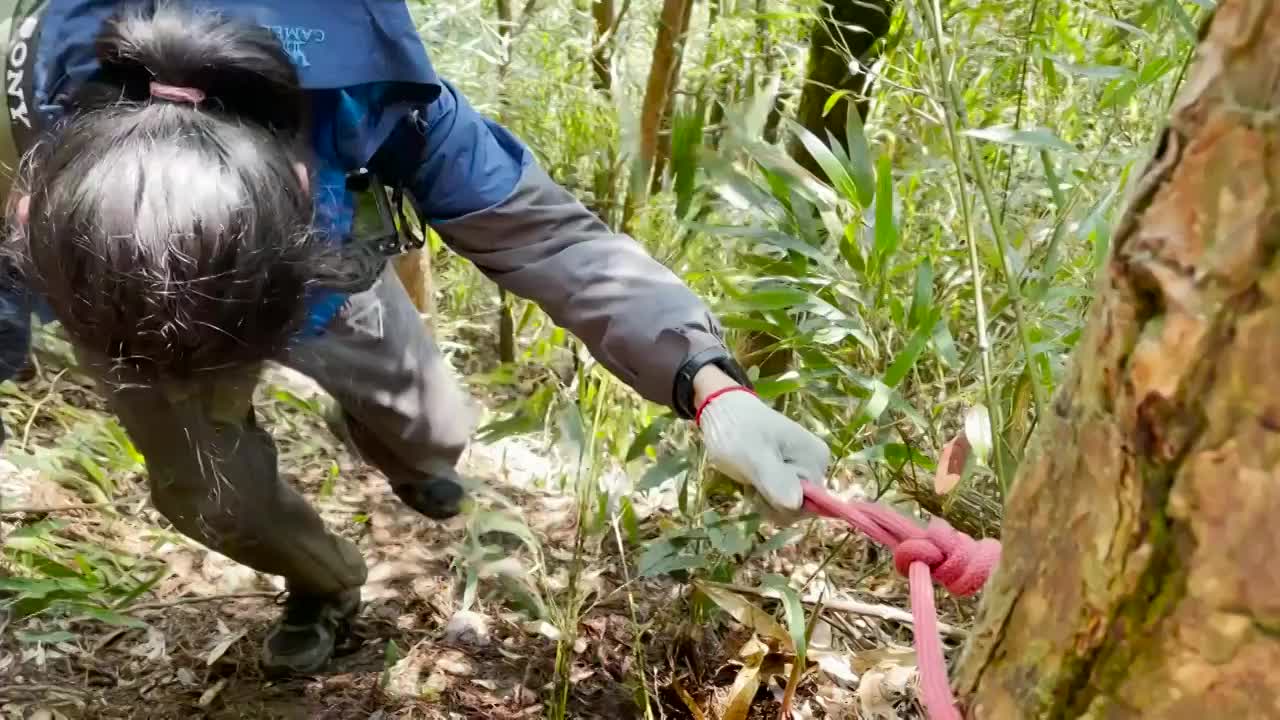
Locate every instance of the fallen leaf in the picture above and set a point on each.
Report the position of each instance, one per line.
(747, 613)
(747, 683)
(455, 663)
(208, 696)
(688, 700)
(223, 645)
(882, 687)
(835, 664)
(468, 628)
(951, 464)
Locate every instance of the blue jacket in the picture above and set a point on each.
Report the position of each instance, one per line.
(378, 102)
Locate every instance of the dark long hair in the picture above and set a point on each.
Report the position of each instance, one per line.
(174, 238)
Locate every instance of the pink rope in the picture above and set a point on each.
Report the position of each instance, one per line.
(937, 552)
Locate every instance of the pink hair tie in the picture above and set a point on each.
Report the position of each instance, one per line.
(177, 93)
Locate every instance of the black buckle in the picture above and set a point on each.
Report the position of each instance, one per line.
(379, 219)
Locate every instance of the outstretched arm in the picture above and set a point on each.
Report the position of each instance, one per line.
(479, 187)
(482, 190)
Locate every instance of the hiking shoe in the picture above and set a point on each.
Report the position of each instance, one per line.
(304, 638)
(439, 496)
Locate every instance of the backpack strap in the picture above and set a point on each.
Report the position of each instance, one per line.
(20, 124)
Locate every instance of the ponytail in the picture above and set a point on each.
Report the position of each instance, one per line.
(168, 227)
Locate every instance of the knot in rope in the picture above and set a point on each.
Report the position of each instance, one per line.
(955, 560)
(938, 553)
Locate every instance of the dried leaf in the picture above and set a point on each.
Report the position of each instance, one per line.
(747, 613)
(836, 664)
(747, 683)
(688, 700)
(951, 464)
(223, 645)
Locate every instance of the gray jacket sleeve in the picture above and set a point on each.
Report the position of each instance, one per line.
(637, 318)
(479, 187)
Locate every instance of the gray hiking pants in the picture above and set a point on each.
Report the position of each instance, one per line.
(212, 470)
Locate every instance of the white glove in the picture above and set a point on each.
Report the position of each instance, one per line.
(761, 448)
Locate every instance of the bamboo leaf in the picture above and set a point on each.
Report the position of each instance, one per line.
(860, 162)
(906, 358)
(1033, 138)
(886, 227)
(795, 615)
(827, 160)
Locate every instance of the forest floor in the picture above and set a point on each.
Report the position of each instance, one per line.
(187, 644)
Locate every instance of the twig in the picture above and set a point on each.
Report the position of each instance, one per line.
(35, 410)
(884, 612)
(193, 599)
(38, 510)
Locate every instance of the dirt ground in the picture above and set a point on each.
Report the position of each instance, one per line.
(413, 653)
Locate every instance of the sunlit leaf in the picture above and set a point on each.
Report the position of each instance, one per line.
(977, 428)
(1095, 72)
(1033, 138)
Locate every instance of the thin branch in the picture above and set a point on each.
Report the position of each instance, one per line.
(194, 599)
(854, 607)
(604, 40)
(35, 411)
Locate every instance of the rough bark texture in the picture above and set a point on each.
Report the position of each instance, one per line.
(1140, 578)
(844, 29)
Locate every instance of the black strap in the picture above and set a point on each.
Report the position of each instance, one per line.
(682, 391)
(20, 88)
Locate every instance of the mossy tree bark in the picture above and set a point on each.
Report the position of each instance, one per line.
(1139, 577)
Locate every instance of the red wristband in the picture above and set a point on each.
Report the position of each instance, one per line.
(697, 417)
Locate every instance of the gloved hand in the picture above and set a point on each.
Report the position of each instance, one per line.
(759, 447)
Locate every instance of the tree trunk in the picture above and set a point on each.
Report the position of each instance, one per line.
(667, 51)
(414, 270)
(506, 323)
(663, 155)
(601, 57)
(1139, 576)
(844, 30)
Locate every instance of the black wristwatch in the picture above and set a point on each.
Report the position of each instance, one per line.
(682, 397)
